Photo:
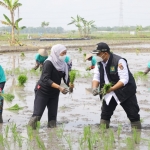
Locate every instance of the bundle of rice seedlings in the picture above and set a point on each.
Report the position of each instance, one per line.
(72, 75)
(22, 55)
(88, 68)
(105, 88)
(22, 79)
(15, 107)
(8, 97)
(140, 76)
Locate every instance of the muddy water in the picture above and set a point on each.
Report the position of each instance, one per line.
(76, 110)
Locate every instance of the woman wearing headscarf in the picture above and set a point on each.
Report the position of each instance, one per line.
(48, 87)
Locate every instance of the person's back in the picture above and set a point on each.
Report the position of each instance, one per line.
(40, 57)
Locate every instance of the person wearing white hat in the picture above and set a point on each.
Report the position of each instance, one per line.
(48, 87)
(91, 58)
(40, 57)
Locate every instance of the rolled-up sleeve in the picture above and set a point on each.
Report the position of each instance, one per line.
(123, 71)
(96, 74)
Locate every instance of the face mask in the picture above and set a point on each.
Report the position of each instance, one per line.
(62, 58)
(99, 59)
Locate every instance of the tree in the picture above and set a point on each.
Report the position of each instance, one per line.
(84, 26)
(44, 24)
(77, 22)
(138, 28)
(11, 5)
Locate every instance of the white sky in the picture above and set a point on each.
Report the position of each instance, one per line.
(103, 12)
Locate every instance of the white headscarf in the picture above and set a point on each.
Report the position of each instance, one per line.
(60, 65)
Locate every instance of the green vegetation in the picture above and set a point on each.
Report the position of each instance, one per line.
(80, 49)
(105, 88)
(140, 76)
(72, 75)
(8, 97)
(84, 26)
(15, 107)
(22, 55)
(11, 5)
(22, 79)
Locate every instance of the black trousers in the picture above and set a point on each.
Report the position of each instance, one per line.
(2, 84)
(41, 101)
(130, 106)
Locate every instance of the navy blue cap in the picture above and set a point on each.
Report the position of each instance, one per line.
(101, 47)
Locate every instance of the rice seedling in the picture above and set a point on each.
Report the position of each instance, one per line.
(88, 68)
(119, 130)
(137, 51)
(102, 129)
(81, 143)
(140, 76)
(141, 120)
(22, 55)
(80, 49)
(72, 75)
(15, 107)
(34, 72)
(68, 140)
(149, 145)
(129, 143)
(22, 79)
(84, 55)
(40, 143)
(136, 136)
(60, 131)
(8, 96)
(86, 132)
(19, 140)
(111, 137)
(6, 131)
(30, 133)
(105, 88)
(38, 126)
(1, 140)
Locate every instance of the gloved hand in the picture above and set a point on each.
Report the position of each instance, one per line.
(63, 90)
(95, 91)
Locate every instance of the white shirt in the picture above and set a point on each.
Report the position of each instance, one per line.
(123, 76)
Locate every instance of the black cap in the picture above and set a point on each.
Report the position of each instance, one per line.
(101, 47)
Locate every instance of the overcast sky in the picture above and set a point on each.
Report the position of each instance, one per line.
(103, 12)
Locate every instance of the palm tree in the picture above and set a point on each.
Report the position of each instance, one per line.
(77, 22)
(11, 5)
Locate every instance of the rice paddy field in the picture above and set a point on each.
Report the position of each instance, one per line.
(78, 113)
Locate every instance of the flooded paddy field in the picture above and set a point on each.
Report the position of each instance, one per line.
(78, 113)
